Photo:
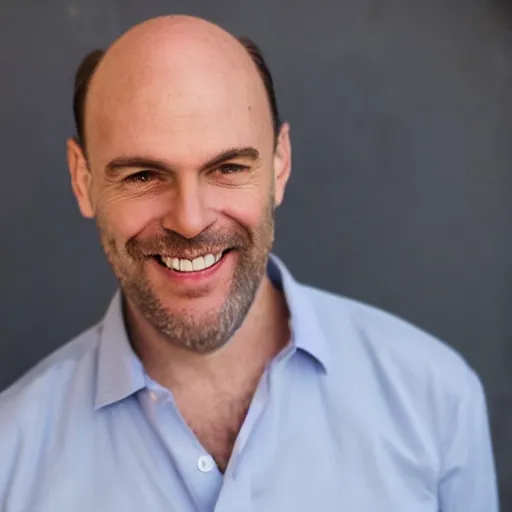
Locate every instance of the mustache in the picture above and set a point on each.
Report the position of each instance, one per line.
(173, 244)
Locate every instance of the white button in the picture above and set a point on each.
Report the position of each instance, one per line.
(153, 396)
(205, 463)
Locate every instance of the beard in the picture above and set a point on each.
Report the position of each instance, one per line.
(200, 333)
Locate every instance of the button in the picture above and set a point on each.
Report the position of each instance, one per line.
(153, 396)
(205, 463)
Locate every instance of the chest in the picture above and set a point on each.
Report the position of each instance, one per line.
(307, 450)
(313, 464)
(215, 419)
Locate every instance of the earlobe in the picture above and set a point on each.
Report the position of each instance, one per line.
(80, 177)
(282, 163)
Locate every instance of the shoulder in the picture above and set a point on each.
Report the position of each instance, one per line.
(397, 349)
(26, 405)
(46, 378)
(418, 382)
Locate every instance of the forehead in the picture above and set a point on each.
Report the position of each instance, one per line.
(184, 106)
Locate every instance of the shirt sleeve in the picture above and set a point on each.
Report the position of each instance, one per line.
(468, 479)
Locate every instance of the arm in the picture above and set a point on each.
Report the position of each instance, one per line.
(468, 480)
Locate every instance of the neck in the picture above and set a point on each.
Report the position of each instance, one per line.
(263, 333)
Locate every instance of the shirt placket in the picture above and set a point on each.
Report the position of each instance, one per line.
(257, 441)
(200, 478)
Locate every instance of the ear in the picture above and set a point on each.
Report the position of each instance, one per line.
(282, 162)
(80, 177)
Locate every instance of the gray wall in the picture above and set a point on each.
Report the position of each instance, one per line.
(401, 114)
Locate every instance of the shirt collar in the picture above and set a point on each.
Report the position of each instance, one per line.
(120, 371)
(307, 333)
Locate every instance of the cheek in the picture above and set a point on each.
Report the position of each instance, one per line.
(247, 207)
(126, 218)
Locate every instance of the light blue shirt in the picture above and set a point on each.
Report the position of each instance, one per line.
(362, 412)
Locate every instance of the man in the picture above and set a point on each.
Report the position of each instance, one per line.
(215, 380)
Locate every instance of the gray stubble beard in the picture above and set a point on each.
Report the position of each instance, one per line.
(215, 328)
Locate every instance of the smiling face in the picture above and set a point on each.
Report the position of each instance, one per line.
(182, 176)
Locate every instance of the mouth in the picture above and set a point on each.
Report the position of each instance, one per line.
(189, 266)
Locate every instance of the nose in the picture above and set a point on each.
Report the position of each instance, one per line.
(188, 214)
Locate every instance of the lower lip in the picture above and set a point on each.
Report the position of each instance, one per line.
(196, 276)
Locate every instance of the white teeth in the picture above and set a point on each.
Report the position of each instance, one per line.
(184, 265)
(166, 260)
(198, 264)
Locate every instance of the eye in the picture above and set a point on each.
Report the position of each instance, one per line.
(144, 176)
(232, 168)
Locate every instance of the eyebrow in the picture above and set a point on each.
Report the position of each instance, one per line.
(150, 163)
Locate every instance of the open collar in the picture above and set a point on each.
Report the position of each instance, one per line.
(120, 371)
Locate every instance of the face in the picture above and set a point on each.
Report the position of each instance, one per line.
(184, 193)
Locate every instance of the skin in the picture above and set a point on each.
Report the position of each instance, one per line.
(181, 160)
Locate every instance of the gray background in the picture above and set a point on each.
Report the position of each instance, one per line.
(401, 114)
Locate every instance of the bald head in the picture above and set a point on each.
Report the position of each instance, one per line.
(180, 56)
(183, 162)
